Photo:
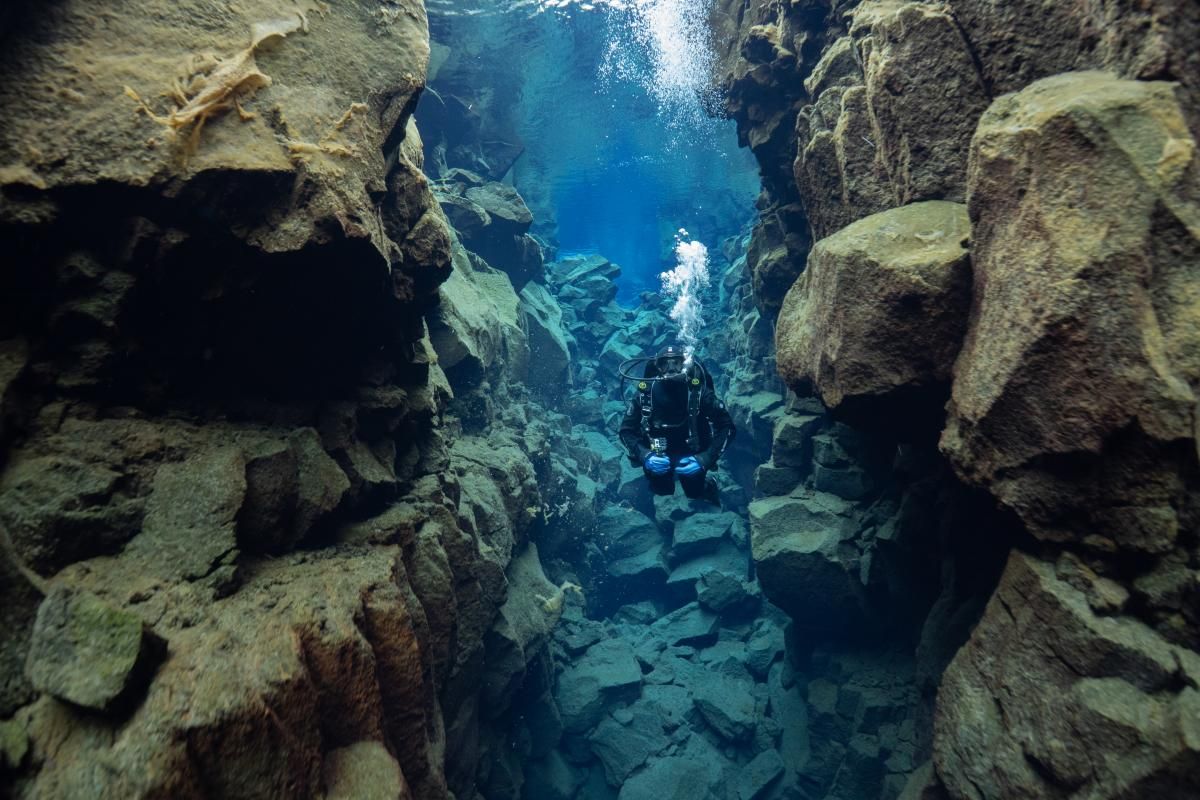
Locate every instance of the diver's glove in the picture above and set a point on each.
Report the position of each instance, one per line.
(656, 464)
(688, 465)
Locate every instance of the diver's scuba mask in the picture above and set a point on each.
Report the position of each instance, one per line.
(671, 367)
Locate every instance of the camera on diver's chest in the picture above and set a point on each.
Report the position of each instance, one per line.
(658, 445)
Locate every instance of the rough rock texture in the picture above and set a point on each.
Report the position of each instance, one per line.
(215, 348)
(803, 569)
(88, 653)
(21, 593)
(492, 220)
(1092, 701)
(1018, 42)
(1073, 394)
(881, 307)
(1089, 344)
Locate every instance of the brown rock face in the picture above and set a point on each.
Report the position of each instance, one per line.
(1074, 395)
(892, 105)
(213, 349)
(923, 95)
(1020, 41)
(881, 307)
(1056, 693)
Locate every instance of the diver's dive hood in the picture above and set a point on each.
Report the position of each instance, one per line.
(670, 364)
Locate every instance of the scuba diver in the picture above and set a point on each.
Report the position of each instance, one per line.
(675, 425)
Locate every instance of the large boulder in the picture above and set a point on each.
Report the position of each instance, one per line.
(549, 354)
(492, 221)
(890, 111)
(1020, 41)
(634, 549)
(507, 209)
(363, 771)
(882, 306)
(924, 94)
(477, 324)
(802, 563)
(756, 778)
(1085, 202)
(1060, 689)
(624, 745)
(837, 168)
(551, 778)
(88, 652)
(680, 777)
(189, 532)
(606, 672)
(726, 701)
(59, 508)
(700, 533)
(689, 625)
(339, 659)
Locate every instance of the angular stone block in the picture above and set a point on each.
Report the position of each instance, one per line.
(88, 653)
(1083, 334)
(881, 307)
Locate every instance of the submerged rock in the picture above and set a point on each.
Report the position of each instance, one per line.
(363, 771)
(1085, 343)
(189, 531)
(531, 608)
(881, 307)
(89, 653)
(727, 703)
(607, 669)
(673, 778)
(1060, 695)
(690, 625)
(803, 566)
(698, 534)
(19, 601)
(724, 593)
(552, 778)
(477, 324)
(549, 352)
(755, 778)
(623, 745)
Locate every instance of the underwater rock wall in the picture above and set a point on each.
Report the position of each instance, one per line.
(994, 210)
(268, 457)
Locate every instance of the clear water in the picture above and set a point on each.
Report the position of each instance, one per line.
(609, 100)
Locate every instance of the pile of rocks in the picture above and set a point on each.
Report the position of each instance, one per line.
(676, 680)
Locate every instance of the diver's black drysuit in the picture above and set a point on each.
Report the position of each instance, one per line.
(686, 413)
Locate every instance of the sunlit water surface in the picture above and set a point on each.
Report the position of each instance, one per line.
(609, 99)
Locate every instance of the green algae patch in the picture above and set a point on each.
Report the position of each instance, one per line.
(87, 652)
(14, 744)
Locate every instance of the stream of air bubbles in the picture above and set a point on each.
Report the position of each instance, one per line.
(684, 284)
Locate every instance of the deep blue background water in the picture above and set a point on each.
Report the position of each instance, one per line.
(611, 166)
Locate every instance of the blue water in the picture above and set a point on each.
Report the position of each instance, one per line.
(617, 158)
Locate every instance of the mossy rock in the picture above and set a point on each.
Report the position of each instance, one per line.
(14, 745)
(87, 652)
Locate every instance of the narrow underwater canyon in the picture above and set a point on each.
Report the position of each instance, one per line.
(310, 482)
